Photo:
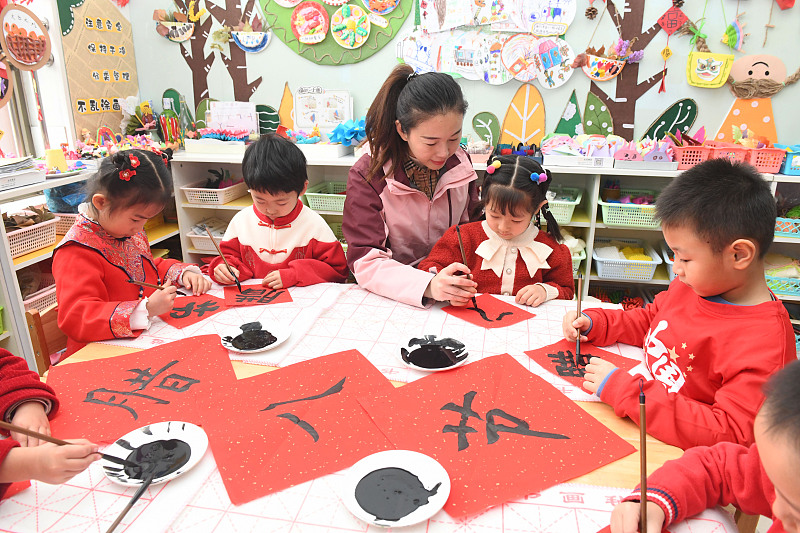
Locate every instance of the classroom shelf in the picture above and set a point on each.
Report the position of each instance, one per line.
(37, 255)
(790, 240)
(27, 190)
(579, 219)
(788, 298)
(234, 205)
(5, 335)
(162, 232)
(659, 278)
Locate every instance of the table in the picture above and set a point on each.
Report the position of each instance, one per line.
(333, 318)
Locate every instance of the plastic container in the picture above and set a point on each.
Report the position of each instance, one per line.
(562, 209)
(576, 262)
(666, 253)
(32, 238)
(66, 222)
(784, 286)
(630, 215)
(791, 163)
(767, 160)
(203, 242)
(689, 156)
(610, 292)
(733, 152)
(626, 269)
(198, 195)
(44, 297)
(787, 227)
(326, 196)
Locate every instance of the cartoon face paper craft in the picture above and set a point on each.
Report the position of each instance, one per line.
(709, 70)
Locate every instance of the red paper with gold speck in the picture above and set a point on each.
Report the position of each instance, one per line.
(503, 398)
(298, 437)
(105, 399)
(189, 310)
(255, 295)
(559, 359)
(491, 313)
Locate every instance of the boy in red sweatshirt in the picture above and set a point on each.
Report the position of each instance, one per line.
(760, 480)
(716, 335)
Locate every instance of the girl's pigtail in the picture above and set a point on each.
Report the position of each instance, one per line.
(552, 225)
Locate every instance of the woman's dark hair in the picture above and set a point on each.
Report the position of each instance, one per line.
(515, 186)
(409, 98)
(274, 165)
(132, 177)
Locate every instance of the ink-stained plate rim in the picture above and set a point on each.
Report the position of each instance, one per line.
(426, 468)
(407, 346)
(280, 330)
(191, 434)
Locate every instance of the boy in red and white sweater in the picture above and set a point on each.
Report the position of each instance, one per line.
(760, 479)
(27, 402)
(279, 239)
(717, 334)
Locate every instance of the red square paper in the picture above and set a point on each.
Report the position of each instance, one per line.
(105, 399)
(490, 313)
(672, 19)
(189, 310)
(255, 295)
(499, 431)
(295, 424)
(559, 359)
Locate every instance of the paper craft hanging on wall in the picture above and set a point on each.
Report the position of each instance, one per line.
(490, 12)
(524, 120)
(678, 117)
(490, 312)
(251, 41)
(570, 122)
(200, 113)
(268, 119)
(421, 51)
(443, 15)
(383, 28)
(103, 399)
(350, 26)
(295, 424)
(255, 295)
(559, 359)
(458, 54)
(520, 56)
(548, 17)
(6, 84)
(489, 61)
(380, 7)
(499, 431)
(188, 310)
(286, 109)
(708, 69)
(487, 126)
(602, 68)
(23, 38)
(556, 57)
(310, 23)
(596, 117)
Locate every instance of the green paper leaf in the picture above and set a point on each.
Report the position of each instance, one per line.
(487, 126)
(596, 117)
(268, 119)
(570, 118)
(200, 113)
(679, 116)
(65, 15)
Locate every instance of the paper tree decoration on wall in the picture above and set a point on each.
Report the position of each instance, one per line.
(629, 90)
(679, 117)
(193, 53)
(596, 117)
(382, 29)
(524, 120)
(487, 126)
(570, 123)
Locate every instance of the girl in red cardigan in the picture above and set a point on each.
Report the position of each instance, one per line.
(507, 253)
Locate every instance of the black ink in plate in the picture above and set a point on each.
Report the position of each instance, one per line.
(392, 493)
(159, 457)
(251, 338)
(434, 353)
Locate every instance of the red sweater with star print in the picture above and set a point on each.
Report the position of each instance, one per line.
(18, 384)
(709, 361)
(301, 246)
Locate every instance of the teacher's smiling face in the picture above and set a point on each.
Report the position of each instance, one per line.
(432, 141)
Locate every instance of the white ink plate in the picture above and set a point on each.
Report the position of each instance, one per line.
(420, 353)
(279, 330)
(399, 477)
(158, 442)
(63, 174)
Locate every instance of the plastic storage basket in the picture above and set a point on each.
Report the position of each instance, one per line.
(626, 269)
(791, 164)
(336, 227)
(785, 286)
(36, 237)
(562, 209)
(768, 160)
(327, 196)
(666, 253)
(198, 195)
(44, 297)
(606, 292)
(203, 242)
(787, 227)
(689, 156)
(630, 215)
(576, 262)
(66, 222)
(734, 152)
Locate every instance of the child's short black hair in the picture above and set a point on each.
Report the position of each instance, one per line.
(781, 409)
(132, 177)
(722, 201)
(274, 165)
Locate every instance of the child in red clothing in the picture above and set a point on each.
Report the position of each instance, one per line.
(507, 253)
(716, 335)
(107, 249)
(278, 240)
(27, 402)
(759, 480)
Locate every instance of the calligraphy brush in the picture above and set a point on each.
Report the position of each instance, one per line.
(643, 458)
(578, 338)
(145, 484)
(464, 258)
(48, 438)
(223, 258)
(152, 286)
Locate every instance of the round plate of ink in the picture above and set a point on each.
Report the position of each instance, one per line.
(254, 337)
(165, 449)
(396, 488)
(431, 353)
